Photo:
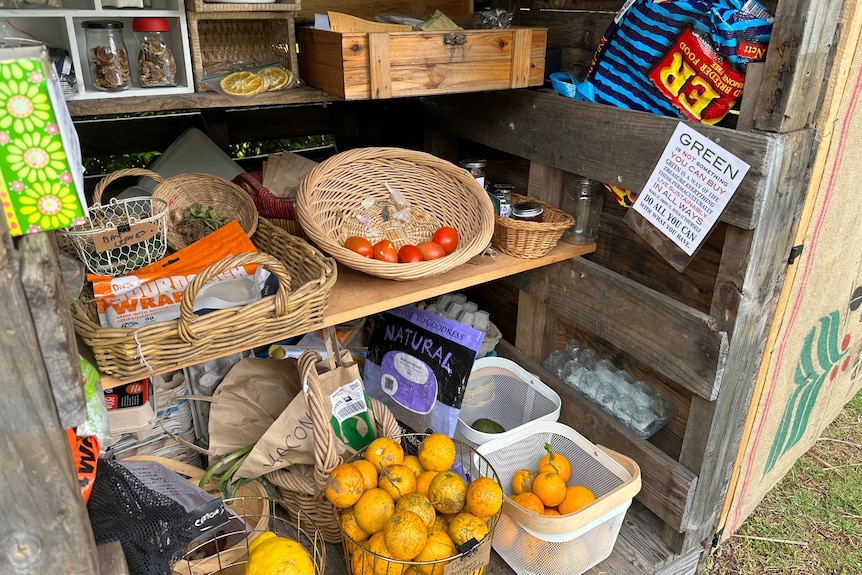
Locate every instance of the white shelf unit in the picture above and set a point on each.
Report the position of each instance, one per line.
(62, 28)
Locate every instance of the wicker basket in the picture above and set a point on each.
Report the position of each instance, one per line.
(350, 194)
(306, 491)
(240, 38)
(525, 239)
(131, 354)
(184, 190)
(142, 215)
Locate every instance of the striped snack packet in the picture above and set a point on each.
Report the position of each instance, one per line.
(678, 58)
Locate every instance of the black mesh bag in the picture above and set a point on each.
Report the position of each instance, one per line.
(153, 529)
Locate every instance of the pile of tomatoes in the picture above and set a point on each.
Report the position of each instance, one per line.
(443, 242)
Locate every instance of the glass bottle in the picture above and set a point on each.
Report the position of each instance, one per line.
(157, 66)
(106, 52)
(584, 202)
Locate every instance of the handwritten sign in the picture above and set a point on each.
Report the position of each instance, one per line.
(690, 187)
(471, 561)
(125, 236)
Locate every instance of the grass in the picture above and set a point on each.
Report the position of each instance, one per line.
(810, 523)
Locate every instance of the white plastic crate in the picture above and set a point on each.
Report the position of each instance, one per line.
(501, 390)
(534, 544)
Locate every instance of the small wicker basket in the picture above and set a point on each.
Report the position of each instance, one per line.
(526, 239)
(184, 190)
(353, 194)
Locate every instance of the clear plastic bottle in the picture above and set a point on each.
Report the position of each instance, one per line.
(107, 54)
(157, 66)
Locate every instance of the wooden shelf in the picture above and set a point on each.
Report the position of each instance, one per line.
(194, 101)
(356, 294)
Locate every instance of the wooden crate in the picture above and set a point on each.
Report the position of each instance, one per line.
(224, 37)
(369, 8)
(379, 65)
(276, 6)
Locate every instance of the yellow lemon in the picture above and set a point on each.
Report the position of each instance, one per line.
(271, 554)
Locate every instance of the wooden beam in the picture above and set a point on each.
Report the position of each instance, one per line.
(604, 143)
(674, 339)
(668, 487)
(798, 62)
(44, 525)
(49, 308)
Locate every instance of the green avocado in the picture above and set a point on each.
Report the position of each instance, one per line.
(486, 425)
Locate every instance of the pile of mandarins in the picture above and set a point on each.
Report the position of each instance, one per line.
(544, 489)
(409, 507)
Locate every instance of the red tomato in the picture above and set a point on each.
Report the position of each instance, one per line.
(409, 254)
(446, 237)
(359, 245)
(385, 251)
(431, 250)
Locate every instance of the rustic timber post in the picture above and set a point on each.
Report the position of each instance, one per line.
(45, 528)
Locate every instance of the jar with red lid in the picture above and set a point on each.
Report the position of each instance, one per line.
(157, 66)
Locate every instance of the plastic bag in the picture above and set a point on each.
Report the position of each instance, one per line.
(678, 58)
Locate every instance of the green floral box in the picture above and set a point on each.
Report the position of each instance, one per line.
(41, 178)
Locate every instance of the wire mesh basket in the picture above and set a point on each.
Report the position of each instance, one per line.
(225, 550)
(501, 390)
(570, 544)
(471, 558)
(121, 236)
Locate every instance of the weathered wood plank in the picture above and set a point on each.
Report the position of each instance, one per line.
(712, 451)
(194, 101)
(798, 61)
(667, 487)
(44, 526)
(676, 340)
(49, 308)
(601, 142)
(368, 8)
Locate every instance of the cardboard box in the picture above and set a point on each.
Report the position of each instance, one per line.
(378, 65)
(41, 174)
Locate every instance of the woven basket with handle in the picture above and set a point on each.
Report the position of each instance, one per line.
(305, 278)
(306, 492)
(527, 239)
(184, 190)
(356, 193)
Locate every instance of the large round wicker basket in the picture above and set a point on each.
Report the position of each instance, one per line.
(396, 194)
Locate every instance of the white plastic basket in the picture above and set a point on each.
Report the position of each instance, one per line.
(501, 390)
(567, 544)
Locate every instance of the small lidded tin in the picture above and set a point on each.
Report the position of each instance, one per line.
(528, 211)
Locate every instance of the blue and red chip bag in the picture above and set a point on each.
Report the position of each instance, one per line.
(678, 58)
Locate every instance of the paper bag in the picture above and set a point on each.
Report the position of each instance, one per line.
(334, 402)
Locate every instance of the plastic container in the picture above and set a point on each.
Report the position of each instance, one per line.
(534, 544)
(501, 390)
(107, 54)
(157, 66)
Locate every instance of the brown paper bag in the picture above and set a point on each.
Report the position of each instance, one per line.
(334, 402)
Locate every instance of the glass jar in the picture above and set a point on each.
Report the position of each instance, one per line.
(476, 169)
(157, 66)
(106, 52)
(501, 197)
(528, 211)
(583, 201)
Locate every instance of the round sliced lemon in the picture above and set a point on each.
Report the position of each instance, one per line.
(242, 84)
(277, 78)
